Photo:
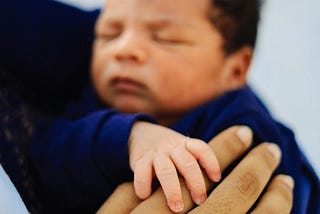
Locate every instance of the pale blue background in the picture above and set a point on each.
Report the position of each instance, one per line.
(10, 200)
(286, 68)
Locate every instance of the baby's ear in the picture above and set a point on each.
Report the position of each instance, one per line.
(238, 64)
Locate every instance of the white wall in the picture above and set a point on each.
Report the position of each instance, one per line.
(84, 4)
(286, 68)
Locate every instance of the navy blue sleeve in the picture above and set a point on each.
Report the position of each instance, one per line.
(80, 162)
(242, 107)
(293, 162)
(47, 45)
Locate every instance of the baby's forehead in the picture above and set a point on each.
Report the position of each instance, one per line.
(154, 20)
(151, 10)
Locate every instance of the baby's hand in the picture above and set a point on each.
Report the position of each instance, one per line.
(157, 150)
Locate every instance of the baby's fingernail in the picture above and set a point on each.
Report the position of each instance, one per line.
(177, 206)
(244, 133)
(201, 199)
(274, 150)
(217, 177)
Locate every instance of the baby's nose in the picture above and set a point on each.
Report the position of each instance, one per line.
(130, 47)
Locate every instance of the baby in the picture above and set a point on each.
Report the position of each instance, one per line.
(164, 59)
(181, 63)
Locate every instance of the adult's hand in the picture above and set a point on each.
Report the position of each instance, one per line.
(236, 193)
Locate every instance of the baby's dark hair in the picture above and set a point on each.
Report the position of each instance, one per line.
(237, 21)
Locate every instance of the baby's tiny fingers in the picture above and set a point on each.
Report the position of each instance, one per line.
(188, 166)
(168, 178)
(207, 159)
(143, 178)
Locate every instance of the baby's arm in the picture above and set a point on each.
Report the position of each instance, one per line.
(156, 150)
(80, 161)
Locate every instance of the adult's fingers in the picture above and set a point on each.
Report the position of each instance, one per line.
(122, 201)
(242, 187)
(231, 144)
(227, 146)
(278, 198)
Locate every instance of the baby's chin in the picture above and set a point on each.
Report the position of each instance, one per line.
(164, 116)
(130, 108)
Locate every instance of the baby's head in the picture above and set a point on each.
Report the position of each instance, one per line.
(165, 58)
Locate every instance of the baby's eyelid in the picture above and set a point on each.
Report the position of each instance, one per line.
(112, 29)
(109, 35)
(165, 39)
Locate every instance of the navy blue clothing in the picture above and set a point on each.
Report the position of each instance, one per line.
(81, 160)
(82, 157)
(47, 45)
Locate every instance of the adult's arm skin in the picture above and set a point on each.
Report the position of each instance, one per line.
(235, 194)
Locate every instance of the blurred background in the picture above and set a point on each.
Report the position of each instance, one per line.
(286, 67)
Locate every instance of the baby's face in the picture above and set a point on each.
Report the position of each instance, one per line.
(159, 57)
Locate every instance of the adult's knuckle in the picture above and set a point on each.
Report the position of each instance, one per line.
(247, 184)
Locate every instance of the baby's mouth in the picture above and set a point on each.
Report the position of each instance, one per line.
(127, 85)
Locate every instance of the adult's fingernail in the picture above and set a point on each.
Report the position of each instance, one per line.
(274, 150)
(244, 133)
(288, 180)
